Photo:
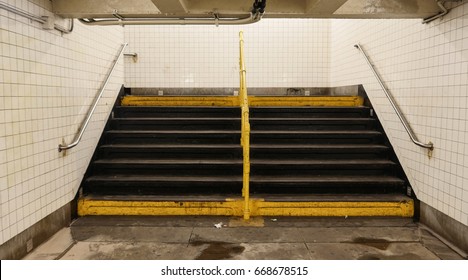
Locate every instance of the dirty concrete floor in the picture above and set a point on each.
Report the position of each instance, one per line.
(282, 238)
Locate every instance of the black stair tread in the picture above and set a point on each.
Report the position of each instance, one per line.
(139, 178)
(176, 107)
(290, 197)
(318, 146)
(173, 131)
(239, 161)
(166, 161)
(255, 146)
(175, 119)
(322, 162)
(275, 108)
(176, 197)
(319, 178)
(169, 146)
(311, 119)
(360, 132)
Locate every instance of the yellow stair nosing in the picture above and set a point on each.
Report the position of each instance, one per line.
(258, 207)
(233, 101)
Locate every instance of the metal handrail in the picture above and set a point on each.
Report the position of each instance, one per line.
(85, 123)
(400, 115)
(245, 129)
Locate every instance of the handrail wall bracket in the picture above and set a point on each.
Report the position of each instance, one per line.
(412, 135)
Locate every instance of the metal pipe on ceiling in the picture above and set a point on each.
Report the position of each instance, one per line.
(443, 10)
(252, 18)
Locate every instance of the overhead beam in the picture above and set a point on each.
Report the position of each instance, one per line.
(241, 8)
(220, 6)
(103, 8)
(171, 6)
(323, 6)
(388, 8)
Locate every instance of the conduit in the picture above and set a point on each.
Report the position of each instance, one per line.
(258, 9)
(35, 18)
(443, 10)
(160, 21)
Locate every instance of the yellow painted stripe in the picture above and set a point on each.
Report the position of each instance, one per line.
(234, 207)
(229, 101)
(89, 207)
(233, 101)
(333, 101)
(335, 209)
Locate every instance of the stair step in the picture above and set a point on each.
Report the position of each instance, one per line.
(167, 162)
(327, 179)
(315, 136)
(312, 123)
(305, 101)
(180, 100)
(311, 164)
(326, 184)
(211, 204)
(169, 179)
(176, 112)
(171, 151)
(317, 151)
(172, 136)
(322, 167)
(309, 112)
(156, 185)
(284, 197)
(186, 100)
(181, 167)
(180, 124)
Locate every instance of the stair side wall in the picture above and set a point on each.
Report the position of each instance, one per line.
(425, 67)
(48, 81)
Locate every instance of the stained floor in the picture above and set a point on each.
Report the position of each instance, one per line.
(222, 238)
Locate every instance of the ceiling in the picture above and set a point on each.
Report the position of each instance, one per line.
(242, 8)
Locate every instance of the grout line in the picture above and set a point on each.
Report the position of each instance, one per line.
(308, 250)
(66, 250)
(190, 237)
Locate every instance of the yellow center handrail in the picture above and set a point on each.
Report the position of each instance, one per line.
(245, 128)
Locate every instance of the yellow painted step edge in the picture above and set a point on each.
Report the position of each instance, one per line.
(332, 101)
(233, 101)
(232, 207)
(228, 101)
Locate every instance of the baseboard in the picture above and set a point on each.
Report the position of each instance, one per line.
(23, 243)
(267, 91)
(448, 228)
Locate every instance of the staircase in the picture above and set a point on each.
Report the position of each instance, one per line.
(169, 151)
(322, 150)
(306, 160)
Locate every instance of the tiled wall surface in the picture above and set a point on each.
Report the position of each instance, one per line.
(278, 53)
(426, 68)
(47, 81)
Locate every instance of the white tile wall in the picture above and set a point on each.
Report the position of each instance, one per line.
(278, 53)
(47, 81)
(426, 69)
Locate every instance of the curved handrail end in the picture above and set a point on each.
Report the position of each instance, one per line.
(85, 122)
(395, 106)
